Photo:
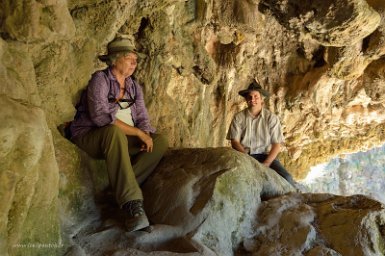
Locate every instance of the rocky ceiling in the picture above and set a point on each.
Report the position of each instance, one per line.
(323, 62)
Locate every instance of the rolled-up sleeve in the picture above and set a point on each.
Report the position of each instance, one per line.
(275, 130)
(97, 100)
(235, 129)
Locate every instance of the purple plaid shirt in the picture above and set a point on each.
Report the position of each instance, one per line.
(94, 109)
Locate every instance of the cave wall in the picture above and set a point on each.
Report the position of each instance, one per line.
(324, 68)
(322, 62)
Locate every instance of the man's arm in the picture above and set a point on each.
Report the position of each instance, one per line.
(275, 149)
(133, 131)
(238, 146)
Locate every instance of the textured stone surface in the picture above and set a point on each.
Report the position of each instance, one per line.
(327, 90)
(31, 21)
(17, 73)
(29, 178)
(221, 202)
(206, 52)
(319, 224)
(211, 194)
(330, 23)
(202, 201)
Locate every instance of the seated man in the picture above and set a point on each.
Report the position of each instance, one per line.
(257, 131)
(112, 123)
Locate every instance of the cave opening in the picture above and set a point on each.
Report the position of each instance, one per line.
(357, 173)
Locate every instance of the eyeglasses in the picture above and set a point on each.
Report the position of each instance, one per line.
(123, 103)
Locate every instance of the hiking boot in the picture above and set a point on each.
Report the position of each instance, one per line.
(137, 218)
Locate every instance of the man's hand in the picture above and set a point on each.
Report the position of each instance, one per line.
(266, 163)
(238, 146)
(147, 141)
(275, 149)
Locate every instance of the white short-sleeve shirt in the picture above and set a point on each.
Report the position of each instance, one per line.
(257, 133)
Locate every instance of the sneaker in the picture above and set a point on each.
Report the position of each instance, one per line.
(137, 218)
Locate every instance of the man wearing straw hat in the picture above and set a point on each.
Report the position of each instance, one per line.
(112, 123)
(257, 131)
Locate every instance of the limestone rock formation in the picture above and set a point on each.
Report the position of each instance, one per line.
(324, 74)
(319, 224)
(326, 88)
(200, 200)
(29, 180)
(221, 202)
(210, 195)
(330, 23)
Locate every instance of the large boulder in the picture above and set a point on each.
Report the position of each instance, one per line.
(29, 178)
(211, 195)
(202, 201)
(217, 201)
(326, 89)
(319, 224)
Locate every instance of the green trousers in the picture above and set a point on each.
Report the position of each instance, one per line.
(127, 166)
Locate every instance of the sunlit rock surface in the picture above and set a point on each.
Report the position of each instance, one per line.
(329, 22)
(221, 202)
(319, 224)
(328, 91)
(200, 200)
(358, 173)
(29, 179)
(326, 85)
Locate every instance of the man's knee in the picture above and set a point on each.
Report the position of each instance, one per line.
(278, 167)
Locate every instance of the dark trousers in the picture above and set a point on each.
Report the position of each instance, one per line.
(276, 166)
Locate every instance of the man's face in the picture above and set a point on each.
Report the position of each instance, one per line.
(127, 64)
(254, 99)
